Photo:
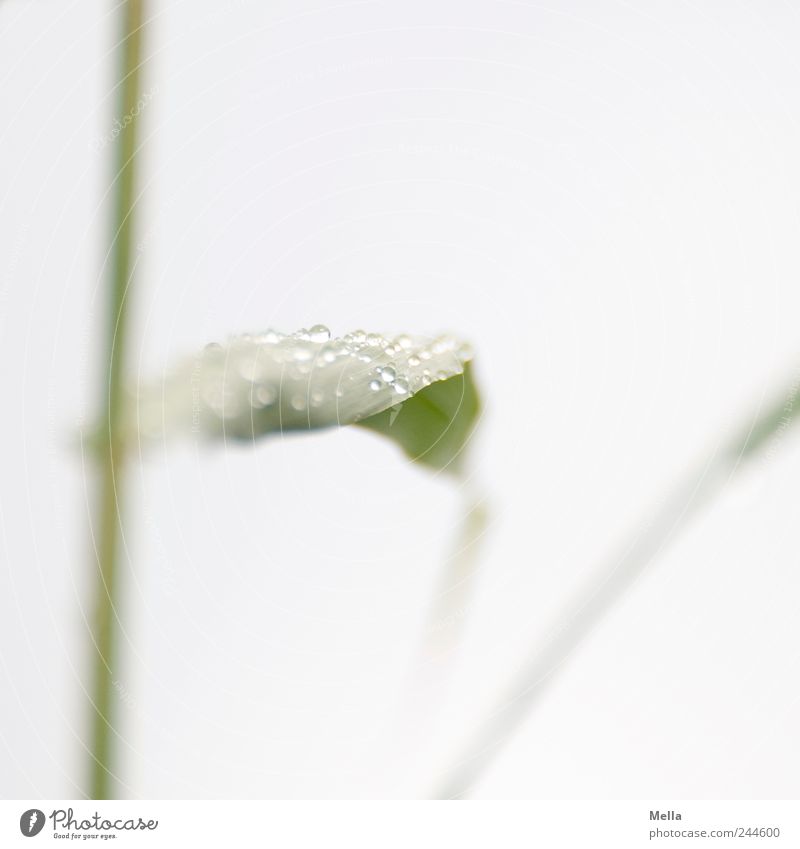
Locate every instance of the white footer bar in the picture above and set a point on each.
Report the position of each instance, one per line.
(404, 825)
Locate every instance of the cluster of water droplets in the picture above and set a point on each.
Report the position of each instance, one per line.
(272, 382)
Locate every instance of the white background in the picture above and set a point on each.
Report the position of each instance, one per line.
(601, 196)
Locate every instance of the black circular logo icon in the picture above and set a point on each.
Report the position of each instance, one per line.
(31, 822)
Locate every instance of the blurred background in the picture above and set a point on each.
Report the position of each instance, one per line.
(601, 197)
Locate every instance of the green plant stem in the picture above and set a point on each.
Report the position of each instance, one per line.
(107, 528)
(450, 608)
(438, 653)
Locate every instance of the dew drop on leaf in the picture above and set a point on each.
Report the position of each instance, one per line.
(319, 333)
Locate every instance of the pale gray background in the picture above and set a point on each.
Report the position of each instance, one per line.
(602, 196)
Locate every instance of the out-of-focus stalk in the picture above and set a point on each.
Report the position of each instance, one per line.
(758, 435)
(107, 526)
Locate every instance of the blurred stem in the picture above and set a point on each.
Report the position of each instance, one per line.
(444, 631)
(108, 522)
(450, 608)
(758, 435)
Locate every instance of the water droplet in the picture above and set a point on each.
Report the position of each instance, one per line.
(375, 385)
(413, 361)
(373, 340)
(262, 396)
(388, 374)
(400, 386)
(221, 400)
(251, 369)
(317, 398)
(319, 333)
(302, 353)
(298, 402)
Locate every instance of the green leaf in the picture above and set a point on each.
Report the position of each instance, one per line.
(434, 425)
(766, 426)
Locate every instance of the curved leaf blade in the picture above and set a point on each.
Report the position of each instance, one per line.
(433, 427)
